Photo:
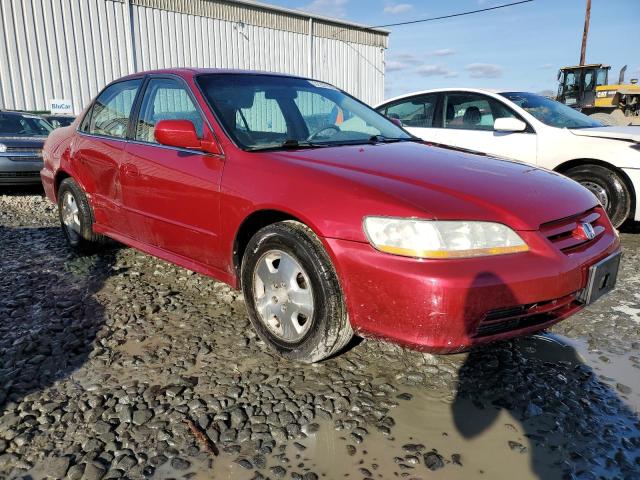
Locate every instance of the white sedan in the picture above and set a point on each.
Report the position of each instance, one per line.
(530, 128)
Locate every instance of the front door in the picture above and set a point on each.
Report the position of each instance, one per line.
(468, 123)
(171, 194)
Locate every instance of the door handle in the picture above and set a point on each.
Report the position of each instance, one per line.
(130, 170)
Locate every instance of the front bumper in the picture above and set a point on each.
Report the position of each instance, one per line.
(446, 306)
(21, 172)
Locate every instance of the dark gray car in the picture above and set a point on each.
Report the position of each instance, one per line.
(22, 137)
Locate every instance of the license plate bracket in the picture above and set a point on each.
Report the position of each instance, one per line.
(602, 279)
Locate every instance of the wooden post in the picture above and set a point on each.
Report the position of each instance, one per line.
(585, 34)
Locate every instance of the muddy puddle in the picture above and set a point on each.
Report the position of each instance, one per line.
(463, 435)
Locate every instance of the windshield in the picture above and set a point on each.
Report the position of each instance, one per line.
(550, 112)
(16, 125)
(270, 112)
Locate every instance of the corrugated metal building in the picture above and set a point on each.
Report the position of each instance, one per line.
(70, 49)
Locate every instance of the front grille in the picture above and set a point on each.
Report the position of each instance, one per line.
(19, 174)
(34, 150)
(568, 234)
(524, 316)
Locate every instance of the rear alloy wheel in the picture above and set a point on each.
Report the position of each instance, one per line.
(292, 293)
(76, 218)
(608, 187)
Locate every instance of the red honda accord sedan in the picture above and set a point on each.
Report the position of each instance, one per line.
(332, 219)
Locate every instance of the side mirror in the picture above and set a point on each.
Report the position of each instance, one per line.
(182, 134)
(509, 124)
(396, 121)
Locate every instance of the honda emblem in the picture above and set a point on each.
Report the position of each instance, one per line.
(588, 230)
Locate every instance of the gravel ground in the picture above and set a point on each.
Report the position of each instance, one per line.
(124, 366)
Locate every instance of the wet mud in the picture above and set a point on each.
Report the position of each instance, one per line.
(123, 366)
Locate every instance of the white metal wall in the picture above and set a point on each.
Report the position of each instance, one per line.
(72, 48)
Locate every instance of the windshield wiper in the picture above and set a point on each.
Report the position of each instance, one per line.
(383, 139)
(289, 144)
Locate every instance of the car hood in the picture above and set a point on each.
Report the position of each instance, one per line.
(23, 142)
(631, 133)
(445, 184)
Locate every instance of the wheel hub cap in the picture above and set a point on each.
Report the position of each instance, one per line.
(70, 214)
(599, 191)
(283, 295)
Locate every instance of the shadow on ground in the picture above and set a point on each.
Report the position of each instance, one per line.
(577, 426)
(48, 316)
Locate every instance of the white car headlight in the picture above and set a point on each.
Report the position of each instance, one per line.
(441, 239)
(3, 148)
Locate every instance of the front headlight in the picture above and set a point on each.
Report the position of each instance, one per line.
(441, 239)
(3, 148)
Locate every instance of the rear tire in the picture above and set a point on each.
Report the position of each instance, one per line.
(286, 271)
(76, 218)
(608, 186)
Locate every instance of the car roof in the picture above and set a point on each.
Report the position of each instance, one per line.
(489, 91)
(189, 71)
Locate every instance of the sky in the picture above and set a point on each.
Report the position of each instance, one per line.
(519, 48)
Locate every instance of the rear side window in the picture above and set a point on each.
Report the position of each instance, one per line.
(414, 112)
(111, 111)
(165, 99)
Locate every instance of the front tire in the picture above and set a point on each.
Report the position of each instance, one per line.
(76, 218)
(292, 293)
(608, 187)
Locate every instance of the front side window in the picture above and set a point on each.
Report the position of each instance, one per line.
(110, 113)
(16, 125)
(165, 99)
(470, 111)
(270, 112)
(414, 112)
(550, 112)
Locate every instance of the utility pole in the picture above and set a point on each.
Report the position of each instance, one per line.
(585, 34)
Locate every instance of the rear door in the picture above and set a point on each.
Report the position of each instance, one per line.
(467, 122)
(171, 194)
(417, 115)
(98, 150)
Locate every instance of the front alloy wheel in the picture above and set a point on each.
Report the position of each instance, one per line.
(283, 295)
(292, 293)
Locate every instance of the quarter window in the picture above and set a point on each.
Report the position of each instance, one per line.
(165, 99)
(415, 112)
(110, 113)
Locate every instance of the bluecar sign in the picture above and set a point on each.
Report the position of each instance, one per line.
(61, 106)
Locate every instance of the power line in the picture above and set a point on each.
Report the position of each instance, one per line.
(451, 15)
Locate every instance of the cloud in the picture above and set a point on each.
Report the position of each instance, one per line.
(395, 66)
(436, 70)
(484, 70)
(396, 8)
(443, 52)
(330, 8)
(546, 66)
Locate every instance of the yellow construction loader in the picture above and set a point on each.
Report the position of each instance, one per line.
(586, 88)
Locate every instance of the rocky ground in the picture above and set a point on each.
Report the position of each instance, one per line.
(123, 366)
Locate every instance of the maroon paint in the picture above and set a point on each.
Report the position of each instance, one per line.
(186, 206)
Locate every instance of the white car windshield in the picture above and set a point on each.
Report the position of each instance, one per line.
(263, 112)
(550, 112)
